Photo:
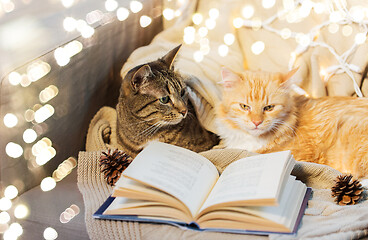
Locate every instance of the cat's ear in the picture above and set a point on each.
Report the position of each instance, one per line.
(140, 77)
(287, 76)
(169, 58)
(229, 78)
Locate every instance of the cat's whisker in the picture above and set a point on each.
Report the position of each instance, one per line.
(148, 130)
(142, 121)
(157, 128)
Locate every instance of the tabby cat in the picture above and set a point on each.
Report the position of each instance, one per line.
(259, 113)
(154, 105)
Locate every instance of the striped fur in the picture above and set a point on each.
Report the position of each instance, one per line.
(142, 117)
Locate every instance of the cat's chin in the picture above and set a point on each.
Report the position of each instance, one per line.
(256, 132)
(173, 122)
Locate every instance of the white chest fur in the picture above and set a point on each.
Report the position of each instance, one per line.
(234, 138)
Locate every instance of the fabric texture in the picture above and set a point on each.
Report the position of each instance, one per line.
(323, 218)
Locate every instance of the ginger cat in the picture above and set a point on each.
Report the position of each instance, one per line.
(259, 113)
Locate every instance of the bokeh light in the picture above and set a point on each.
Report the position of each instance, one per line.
(248, 11)
(21, 211)
(50, 233)
(11, 192)
(5, 204)
(145, 21)
(258, 47)
(168, 13)
(135, 6)
(122, 14)
(13, 150)
(10, 120)
(29, 135)
(47, 184)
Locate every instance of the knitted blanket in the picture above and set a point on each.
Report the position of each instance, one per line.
(323, 218)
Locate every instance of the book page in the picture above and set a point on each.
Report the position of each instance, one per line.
(180, 172)
(256, 177)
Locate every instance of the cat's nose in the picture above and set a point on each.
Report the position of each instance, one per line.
(257, 122)
(184, 112)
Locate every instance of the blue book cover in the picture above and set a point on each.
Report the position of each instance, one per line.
(194, 226)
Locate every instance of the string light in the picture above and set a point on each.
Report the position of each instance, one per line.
(44, 113)
(15, 230)
(319, 8)
(135, 6)
(268, 3)
(87, 32)
(360, 38)
(50, 234)
(29, 135)
(210, 23)
(202, 31)
(213, 13)
(69, 213)
(336, 17)
(13, 150)
(168, 13)
(48, 93)
(198, 56)
(229, 38)
(238, 22)
(94, 16)
(47, 184)
(145, 21)
(122, 14)
(29, 115)
(67, 3)
(37, 70)
(43, 151)
(10, 120)
(223, 50)
(333, 28)
(25, 82)
(5, 204)
(14, 78)
(285, 33)
(69, 24)
(258, 47)
(11, 192)
(347, 30)
(197, 18)
(64, 169)
(111, 5)
(21, 211)
(63, 54)
(4, 217)
(248, 11)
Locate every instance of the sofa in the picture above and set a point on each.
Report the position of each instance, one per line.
(89, 81)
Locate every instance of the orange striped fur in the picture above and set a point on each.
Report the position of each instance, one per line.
(329, 130)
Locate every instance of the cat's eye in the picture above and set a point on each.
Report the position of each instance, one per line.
(164, 100)
(269, 108)
(244, 107)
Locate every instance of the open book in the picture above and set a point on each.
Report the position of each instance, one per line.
(169, 184)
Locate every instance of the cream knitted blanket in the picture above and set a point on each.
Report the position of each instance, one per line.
(323, 219)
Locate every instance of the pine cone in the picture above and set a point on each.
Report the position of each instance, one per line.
(113, 164)
(347, 191)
